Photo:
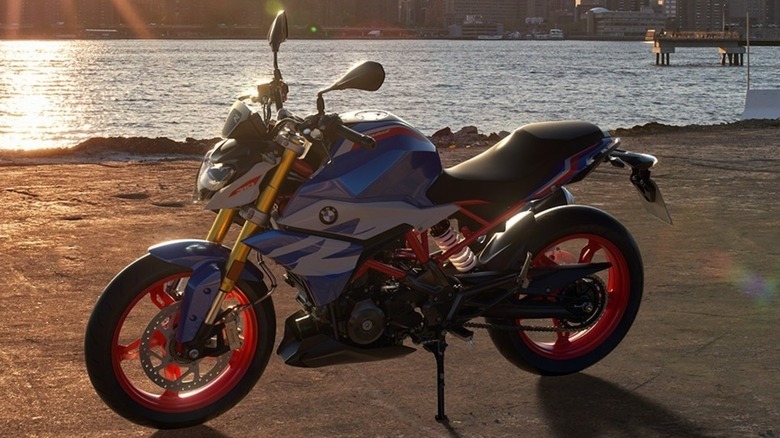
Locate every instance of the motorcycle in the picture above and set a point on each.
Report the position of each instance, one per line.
(383, 246)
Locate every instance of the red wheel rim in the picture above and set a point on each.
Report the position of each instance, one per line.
(583, 248)
(126, 342)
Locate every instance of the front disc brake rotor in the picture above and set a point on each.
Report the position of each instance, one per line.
(166, 369)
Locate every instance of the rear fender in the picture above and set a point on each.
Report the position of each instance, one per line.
(206, 260)
(555, 199)
(506, 251)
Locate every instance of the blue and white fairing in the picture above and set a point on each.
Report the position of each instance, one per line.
(359, 195)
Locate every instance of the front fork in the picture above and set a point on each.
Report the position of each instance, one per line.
(196, 329)
(260, 218)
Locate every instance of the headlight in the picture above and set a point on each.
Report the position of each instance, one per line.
(214, 176)
(211, 177)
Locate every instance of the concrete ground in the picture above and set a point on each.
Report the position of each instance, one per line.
(700, 361)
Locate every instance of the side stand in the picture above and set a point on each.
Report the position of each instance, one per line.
(437, 348)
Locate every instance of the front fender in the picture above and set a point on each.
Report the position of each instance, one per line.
(207, 262)
(190, 253)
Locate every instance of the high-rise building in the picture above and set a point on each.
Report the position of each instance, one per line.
(96, 13)
(343, 13)
(702, 15)
(669, 8)
(626, 5)
(538, 9)
(508, 12)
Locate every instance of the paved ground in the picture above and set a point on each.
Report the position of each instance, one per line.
(701, 360)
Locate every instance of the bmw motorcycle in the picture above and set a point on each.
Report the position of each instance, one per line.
(387, 251)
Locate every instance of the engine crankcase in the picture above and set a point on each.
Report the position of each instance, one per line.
(366, 323)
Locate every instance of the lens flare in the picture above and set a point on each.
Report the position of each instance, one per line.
(273, 7)
(760, 289)
(749, 281)
(132, 18)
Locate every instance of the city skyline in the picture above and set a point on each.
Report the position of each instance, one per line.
(145, 18)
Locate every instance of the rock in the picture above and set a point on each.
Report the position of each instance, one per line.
(467, 130)
(444, 132)
(467, 136)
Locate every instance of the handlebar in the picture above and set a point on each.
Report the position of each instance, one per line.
(332, 126)
(365, 141)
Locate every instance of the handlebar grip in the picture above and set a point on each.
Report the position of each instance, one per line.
(365, 141)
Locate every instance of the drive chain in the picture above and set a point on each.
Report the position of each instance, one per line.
(532, 328)
(527, 328)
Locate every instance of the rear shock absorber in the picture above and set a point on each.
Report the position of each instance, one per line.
(446, 238)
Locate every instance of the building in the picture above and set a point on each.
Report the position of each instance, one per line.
(510, 13)
(473, 28)
(604, 23)
(625, 5)
(701, 15)
(344, 13)
(539, 9)
(669, 8)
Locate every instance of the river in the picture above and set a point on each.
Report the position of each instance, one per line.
(59, 93)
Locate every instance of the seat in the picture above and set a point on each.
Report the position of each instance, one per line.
(517, 166)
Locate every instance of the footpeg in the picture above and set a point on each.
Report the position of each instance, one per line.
(461, 333)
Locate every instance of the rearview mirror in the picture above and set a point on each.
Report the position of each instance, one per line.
(367, 76)
(277, 34)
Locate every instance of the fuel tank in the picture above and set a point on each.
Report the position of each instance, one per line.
(363, 193)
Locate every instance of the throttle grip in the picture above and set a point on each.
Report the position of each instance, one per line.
(365, 141)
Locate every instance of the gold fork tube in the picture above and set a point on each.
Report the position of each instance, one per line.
(240, 251)
(221, 225)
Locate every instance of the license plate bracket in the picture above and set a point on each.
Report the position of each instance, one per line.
(650, 195)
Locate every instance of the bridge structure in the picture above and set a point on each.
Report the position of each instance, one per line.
(728, 44)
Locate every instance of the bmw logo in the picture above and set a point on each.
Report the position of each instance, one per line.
(329, 215)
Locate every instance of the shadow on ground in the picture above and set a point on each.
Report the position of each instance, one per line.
(191, 432)
(586, 406)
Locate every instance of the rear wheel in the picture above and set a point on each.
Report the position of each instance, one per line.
(567, 235)
(130, 342)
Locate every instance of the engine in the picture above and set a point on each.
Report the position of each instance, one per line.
(379, 311)
(374, 311)
(366, 323)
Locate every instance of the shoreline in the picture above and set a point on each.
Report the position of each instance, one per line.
(130, 148)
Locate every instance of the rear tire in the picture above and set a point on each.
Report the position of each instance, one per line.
(577, 234)
(127, 350)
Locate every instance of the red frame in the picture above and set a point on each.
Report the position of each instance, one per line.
(418, 242)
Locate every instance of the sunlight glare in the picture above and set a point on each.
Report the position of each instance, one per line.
(26, 107)
(132, 18)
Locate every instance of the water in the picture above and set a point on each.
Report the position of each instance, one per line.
(59, 93)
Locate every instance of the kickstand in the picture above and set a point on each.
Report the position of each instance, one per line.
(437, 348)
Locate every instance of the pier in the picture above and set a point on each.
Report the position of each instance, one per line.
(728, 44)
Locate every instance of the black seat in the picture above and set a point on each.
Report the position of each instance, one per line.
(516, 166)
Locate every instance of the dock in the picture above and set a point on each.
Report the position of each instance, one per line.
(729, 45)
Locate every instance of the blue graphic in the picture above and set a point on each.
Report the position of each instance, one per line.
(325, 265)
(401, 167)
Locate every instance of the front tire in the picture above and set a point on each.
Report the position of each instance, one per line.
(128, 340)
(577, 234)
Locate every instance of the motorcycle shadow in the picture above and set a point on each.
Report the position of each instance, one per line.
(585, 406)
(190, 432)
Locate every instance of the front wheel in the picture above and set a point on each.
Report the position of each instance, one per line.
(130, 341)
(568, 235)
